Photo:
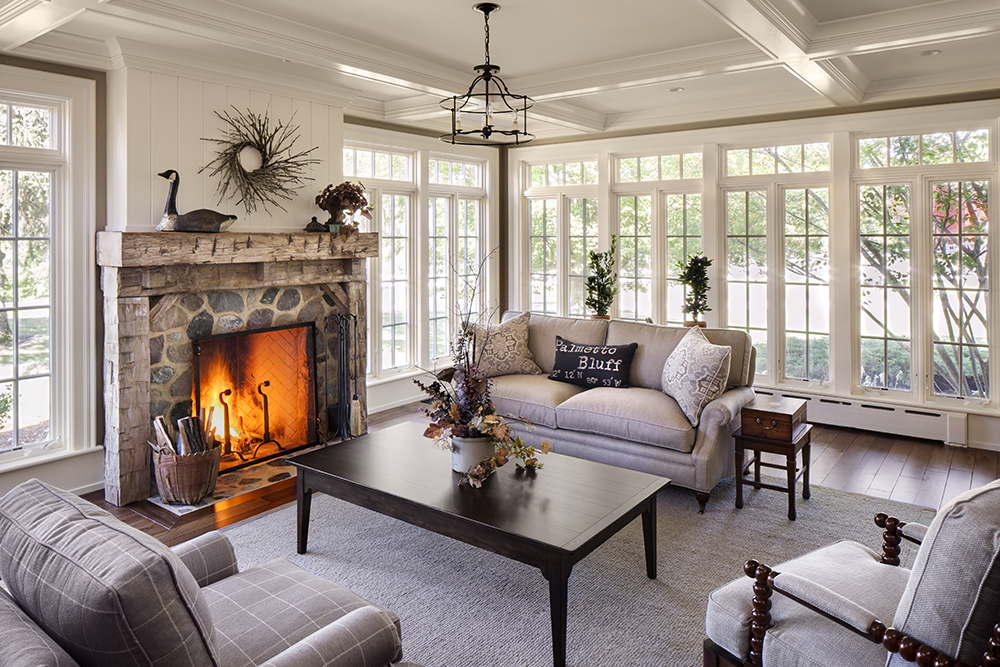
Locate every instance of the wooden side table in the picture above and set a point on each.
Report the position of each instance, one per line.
(790, 448)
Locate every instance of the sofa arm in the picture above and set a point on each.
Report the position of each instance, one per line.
(713, 449)
(210, 557)
(365, 637)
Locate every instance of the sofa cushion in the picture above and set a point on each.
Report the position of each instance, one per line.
(592, 365)
(503, 349)
(25, 643)
(641, 415)
(656, 342)
(953, 596)
(530, 398)
(800, 636)
(107, 593)
(695, 373)
(262, 611)
(543, 329)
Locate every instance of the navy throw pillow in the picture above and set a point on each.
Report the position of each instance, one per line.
(592, 365)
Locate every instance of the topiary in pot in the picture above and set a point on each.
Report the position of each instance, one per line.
(602, 280)
(694, 276)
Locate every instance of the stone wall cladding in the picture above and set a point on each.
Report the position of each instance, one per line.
(197, 316)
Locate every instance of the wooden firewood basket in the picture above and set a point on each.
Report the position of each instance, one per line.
(186, 479)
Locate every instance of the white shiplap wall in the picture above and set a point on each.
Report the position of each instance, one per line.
(158, 121)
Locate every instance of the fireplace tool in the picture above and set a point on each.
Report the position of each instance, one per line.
(338, 414)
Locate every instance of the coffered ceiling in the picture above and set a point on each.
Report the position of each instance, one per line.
(592, 66)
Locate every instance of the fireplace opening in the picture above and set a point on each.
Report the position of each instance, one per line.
(257, 392)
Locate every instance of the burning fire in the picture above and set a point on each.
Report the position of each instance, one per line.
(257, 389)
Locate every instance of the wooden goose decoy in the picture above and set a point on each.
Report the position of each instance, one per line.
(201, 220)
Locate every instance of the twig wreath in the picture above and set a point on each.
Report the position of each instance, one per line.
(281, 172)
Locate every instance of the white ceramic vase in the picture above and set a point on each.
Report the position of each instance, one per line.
(467, 452)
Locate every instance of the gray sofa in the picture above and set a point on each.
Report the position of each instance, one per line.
(86, 589)
(639, 427)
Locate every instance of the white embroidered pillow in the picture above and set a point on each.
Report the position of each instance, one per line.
(695, 373)
(503, 349)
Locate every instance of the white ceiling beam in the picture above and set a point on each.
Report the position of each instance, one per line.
(24, 20)
(763, 24)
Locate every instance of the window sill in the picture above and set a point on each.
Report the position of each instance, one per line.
(31, 458)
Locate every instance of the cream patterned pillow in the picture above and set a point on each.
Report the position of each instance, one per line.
(503, 349)
(695, 373)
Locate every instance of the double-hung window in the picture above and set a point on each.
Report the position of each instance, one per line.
(658, 220)
(456, 269)
(388, 177)
(777, 222)
(47, 363)
(562, 230)
(923, 213)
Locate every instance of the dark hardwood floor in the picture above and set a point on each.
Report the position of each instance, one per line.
(911, 470)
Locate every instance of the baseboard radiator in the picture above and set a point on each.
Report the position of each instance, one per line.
(949, 427)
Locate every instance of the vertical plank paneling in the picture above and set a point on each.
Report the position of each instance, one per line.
(190, 121)
(240, 99)
(163, 141)
(319, 136)
(336, 140)
(137, 148)
(215, 100)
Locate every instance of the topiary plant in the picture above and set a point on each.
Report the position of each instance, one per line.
(694, 276)
(602, 280)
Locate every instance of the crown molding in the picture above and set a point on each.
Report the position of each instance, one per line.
(13, 8)
(127, 53)
(68, 49)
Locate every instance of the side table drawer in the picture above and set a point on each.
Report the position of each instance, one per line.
(772, 417)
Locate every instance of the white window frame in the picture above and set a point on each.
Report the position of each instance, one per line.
(72, 160)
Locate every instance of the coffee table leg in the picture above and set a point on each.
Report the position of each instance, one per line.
(558, 576)
(303, 496)
(649, 537)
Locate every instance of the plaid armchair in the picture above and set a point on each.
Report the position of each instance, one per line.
(86, 589)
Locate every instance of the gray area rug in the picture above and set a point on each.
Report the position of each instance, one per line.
(460, 606)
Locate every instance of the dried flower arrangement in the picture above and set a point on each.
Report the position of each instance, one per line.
(461, 404)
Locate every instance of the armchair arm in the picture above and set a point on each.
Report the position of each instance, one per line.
(824, 601)
(365, 637)
(831, 606)
(210, 557)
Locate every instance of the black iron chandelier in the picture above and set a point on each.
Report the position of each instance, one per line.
(499, 116)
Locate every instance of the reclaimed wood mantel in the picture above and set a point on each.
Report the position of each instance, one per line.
(137, 267)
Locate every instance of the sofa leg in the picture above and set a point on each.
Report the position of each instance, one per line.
(702, 497)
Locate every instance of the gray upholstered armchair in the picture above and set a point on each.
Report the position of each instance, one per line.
(831, 606)
(86, 589)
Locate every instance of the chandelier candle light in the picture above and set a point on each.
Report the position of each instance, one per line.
(501, 116)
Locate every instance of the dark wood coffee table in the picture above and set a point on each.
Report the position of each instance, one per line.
(550, 519)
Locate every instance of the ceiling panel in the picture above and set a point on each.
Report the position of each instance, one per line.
(835, 10)
(526, 36)
(961, 59)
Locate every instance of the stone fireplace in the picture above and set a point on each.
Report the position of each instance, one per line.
(163, 290)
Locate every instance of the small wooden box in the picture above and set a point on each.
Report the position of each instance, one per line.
(772, 417)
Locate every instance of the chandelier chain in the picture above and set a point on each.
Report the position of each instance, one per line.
(486, 18)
